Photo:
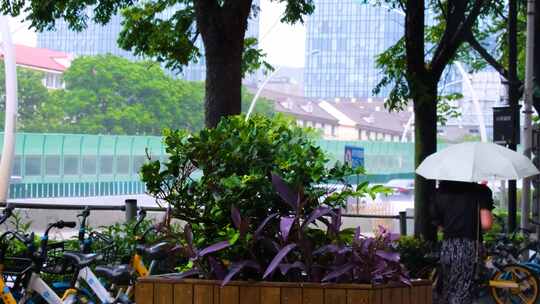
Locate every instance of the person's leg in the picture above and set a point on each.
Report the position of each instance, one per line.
(443, 289)
(459, 271)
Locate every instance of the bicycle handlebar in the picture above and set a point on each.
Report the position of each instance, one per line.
(25, 239)
(6, 213)
(141, 215)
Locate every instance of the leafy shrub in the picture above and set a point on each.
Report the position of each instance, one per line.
(416, 256)
(257, 211)
(236, 160)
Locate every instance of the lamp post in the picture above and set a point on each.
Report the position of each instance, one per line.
(259, 91)
(8, 148)
(465, 79)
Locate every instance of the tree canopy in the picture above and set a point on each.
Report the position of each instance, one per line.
(167, 30)
(112, 95)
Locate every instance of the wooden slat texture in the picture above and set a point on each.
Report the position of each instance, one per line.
(250, 295)
(357, 296)
(210, 292)
(203, 294)
(313, 296)
(376, 296)
(424, 290)
(387, 295)
(406, 295)
(217, 299)
(291, 296)
(183, 294)
(429, 294)
(229, 295)
(397, 295)
(163, 293)
(335, 296)
(420, 295)
(144, 293)
(270, 295)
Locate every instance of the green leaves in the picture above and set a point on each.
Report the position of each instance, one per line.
(253, 58)
(107, 94)
(148, 31)
(295, 10)
(236, 160)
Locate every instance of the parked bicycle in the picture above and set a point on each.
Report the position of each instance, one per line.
(29, 287)
(503, 277)
(126, 274)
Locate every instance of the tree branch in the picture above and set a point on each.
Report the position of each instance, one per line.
(471, 40)
(454, 37)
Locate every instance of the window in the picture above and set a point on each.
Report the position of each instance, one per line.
(89, 165)
(33, 165)
(122, 164)
(106, 164)
(71, 165)
(53, 81)
(52, 165)
(327, 130)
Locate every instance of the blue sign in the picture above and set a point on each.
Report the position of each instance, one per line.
(354, 156)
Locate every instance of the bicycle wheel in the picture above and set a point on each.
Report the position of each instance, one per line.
(526, 292)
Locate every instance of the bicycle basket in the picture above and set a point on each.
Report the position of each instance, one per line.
(55, 262)
(104, 246)
(16, 265)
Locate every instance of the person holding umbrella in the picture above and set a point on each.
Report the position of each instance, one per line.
(462, 208)
(463, 211)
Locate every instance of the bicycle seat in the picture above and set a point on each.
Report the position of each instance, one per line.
(158, 251)
(81, 259)
(119, 275)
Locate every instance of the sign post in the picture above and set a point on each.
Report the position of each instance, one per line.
(354, 157)
(503, 125)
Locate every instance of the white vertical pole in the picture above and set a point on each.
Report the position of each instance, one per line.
(8, 148)
(527, 123)
(254, 101)
(476, 102)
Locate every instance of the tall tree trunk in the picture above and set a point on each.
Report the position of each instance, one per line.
(223, 83)
(513, 100)
(223, 30)
(425, 144)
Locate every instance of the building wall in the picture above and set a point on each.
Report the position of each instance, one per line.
(95, 39)
(343, 39)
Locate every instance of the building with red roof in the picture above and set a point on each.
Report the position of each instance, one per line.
(52, 63)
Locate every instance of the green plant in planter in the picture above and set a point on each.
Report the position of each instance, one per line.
(416, 256)
(295, 246)
(236, 160)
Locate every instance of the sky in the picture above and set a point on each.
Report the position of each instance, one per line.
(284, 44)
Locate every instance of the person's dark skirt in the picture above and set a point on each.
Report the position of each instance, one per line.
(458, 257)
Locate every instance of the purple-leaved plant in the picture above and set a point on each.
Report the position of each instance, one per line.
(301, 249)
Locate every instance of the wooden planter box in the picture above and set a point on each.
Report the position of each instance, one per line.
(168, 290)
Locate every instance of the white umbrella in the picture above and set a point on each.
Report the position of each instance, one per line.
(476, 161)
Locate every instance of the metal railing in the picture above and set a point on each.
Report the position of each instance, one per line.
(130, 207)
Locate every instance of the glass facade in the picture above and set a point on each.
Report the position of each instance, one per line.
(94, 40)
(343, 39)
(98, 39)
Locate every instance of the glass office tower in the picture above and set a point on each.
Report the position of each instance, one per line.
(343, 39)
